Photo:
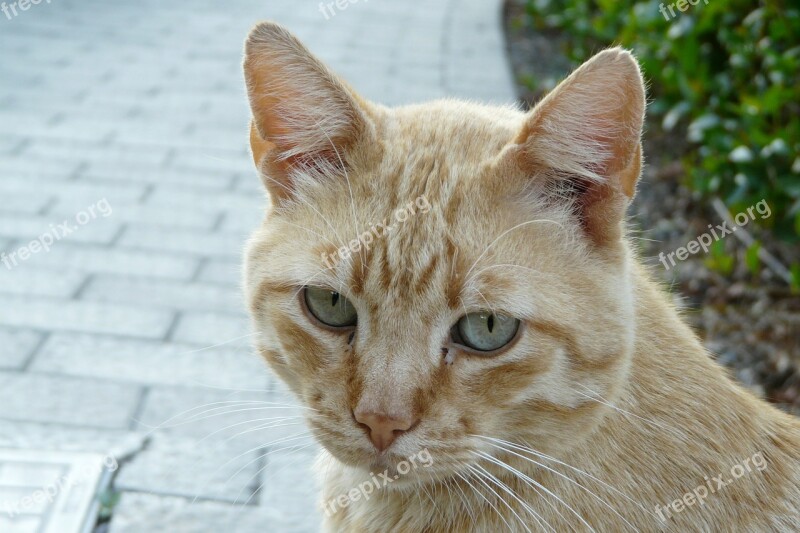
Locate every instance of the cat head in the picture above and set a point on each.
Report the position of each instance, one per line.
(430, 273)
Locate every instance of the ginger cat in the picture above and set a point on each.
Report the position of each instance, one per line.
(499, 361)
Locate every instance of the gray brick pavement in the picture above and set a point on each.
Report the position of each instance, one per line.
(16, 346)
(64, 400)
(104, 339)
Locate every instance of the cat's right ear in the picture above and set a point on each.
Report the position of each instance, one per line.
(304, 117)
(585, 138)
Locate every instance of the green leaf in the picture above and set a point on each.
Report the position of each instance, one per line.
(795, 271)
(751, 258)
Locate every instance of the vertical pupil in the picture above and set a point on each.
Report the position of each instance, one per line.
(334, 299)
(490, 323)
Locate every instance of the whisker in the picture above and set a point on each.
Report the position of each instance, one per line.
(220, 344)
(534, 484)
(249, 421)
(165, 422)
(476, 274)
(536, 516)
(464, 500)
(506, 232)
(220, 411)
(303, 285)
(569, 478)
(479, 493)
(623, 411)
(321, 236)
(260, 470)
(265, 446)
(480, 478)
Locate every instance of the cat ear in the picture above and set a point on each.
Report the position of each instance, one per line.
(304, 117)
(585, 136)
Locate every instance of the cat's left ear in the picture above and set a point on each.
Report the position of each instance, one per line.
(304, 117)
(585, 137)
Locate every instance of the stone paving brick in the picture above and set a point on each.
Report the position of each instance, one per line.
(221, 161)
(180, 466)
(205, 244)
(170, 133)
(16, 346)
(189, 178)
(290, 486)
(211, 328)
(93, 317)
(176, 295)
(198, 136)
(172, 195)
(99, 230)
(84, 128)
(249, 183)
(25, 203)
(222, 272)
(80, 194)
(115, 261)
(31, 280)
(20, 123)
(9, 144)
(136, 513)
(150, 216)
(119, 443)
(243, 223)
(28, 397)
(150, 363)
(26, 165)
(96, 155)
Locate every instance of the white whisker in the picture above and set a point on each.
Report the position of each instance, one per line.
(480, 478)
(506, 232)
(534, 484)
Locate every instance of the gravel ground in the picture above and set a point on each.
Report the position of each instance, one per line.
(750, 323)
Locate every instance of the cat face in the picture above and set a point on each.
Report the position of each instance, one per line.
(436, 272)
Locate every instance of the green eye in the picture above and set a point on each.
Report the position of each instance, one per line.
(485, 331)
(330, 308)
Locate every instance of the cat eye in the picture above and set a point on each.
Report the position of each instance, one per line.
(330, 307)
(485, 331)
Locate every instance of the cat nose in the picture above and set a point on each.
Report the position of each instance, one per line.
(383, 429)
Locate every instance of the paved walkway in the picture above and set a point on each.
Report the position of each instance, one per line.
(127, 121)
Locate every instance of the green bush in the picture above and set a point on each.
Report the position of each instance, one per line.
(724, 71)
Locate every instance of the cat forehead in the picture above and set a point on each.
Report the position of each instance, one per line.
(451, 128)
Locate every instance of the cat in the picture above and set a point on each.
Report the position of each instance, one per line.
(508, 333)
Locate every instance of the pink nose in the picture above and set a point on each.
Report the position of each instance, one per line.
(383, 430)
